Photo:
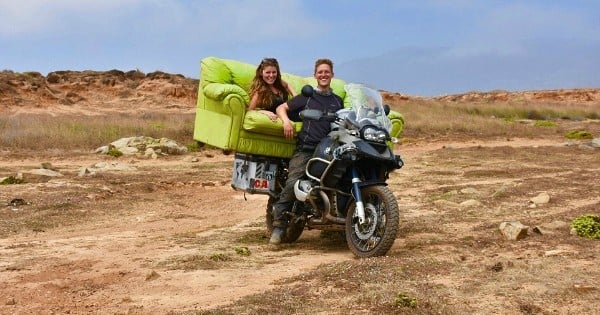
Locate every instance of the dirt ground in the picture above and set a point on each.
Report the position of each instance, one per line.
(171, 236)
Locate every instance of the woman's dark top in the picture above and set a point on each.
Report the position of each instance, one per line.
(276, 100)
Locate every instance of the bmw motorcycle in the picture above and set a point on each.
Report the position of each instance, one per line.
(345, 184)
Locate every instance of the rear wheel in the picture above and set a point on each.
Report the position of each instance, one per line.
(377, 234)
(269, 215)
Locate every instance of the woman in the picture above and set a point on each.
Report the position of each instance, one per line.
(268, 90)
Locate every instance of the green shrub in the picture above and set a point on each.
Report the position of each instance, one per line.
(587, 225)
(219, 257)
(194, 147)
(242, 251)
(114, 152)
(404, 300)
(544, 123)
(11, 180)
(579, 134)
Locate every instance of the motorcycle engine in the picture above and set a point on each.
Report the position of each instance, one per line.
(302, 189)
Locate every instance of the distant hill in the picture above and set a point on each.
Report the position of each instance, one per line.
(114, 90)
(97, 92)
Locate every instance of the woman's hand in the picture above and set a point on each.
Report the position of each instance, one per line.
(270, 114)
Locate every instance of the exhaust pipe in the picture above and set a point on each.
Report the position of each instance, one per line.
(326, 217)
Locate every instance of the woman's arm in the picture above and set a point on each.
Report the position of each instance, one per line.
(289, 88)
(253, 101)
(253, 106)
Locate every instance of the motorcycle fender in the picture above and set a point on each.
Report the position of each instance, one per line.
(372, 183)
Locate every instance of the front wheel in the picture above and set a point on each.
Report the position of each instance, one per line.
(377, 234)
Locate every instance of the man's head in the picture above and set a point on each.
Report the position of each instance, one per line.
(323, 73)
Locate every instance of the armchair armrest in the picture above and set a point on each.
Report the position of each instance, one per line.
(397, 123)
(218, 91)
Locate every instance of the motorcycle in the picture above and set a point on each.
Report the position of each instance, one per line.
(345, 184)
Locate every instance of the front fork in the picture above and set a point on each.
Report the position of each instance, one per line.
(360, 207)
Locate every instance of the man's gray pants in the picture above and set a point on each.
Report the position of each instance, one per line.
(296, 171)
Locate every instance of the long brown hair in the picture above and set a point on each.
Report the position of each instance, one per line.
(261, 88)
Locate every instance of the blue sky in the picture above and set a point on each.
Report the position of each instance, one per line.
(427, 47)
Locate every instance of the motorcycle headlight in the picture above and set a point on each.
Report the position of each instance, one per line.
(374, 134)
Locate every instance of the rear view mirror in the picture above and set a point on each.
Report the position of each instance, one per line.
(307, 90)
(386, 109)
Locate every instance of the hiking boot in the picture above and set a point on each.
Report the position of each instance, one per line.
(277, 235)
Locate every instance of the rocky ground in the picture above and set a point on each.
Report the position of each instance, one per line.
(170, 236)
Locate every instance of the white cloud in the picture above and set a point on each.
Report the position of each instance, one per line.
(32, 17)
(208, 20)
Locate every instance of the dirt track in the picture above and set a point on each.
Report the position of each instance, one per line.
(172, 236)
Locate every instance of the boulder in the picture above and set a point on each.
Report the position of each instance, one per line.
(513, 230)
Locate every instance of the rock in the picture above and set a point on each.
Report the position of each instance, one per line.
(39, 175)
(192, 159)
(121, 143)
(129, 150)
(445, 203)
(136, 145)
(586, 147)
(542, 198)
(469, 191)
(45, 172)
(18, 202)
(85, 171)
(513, 230)
(102, 150)
(150, 154)
(584, 288)
(573, 232)
(554, 252)
(595, 143)
(470, 203)
(104, 166)
(500, 192)
(48, 166)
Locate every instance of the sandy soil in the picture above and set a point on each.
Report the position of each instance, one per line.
(171, 235)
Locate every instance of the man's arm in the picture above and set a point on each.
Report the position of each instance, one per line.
(288, 125)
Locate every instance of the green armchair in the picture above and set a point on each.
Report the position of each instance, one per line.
(222, 119)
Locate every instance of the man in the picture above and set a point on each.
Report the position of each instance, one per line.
(309, 136)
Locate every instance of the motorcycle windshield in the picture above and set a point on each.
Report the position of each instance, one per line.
(366, 107)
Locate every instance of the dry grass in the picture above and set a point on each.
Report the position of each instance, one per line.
(39, 132)
(435, 119)
(424, 119)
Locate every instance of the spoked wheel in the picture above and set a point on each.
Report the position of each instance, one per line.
(377, 234)
(295, 226)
